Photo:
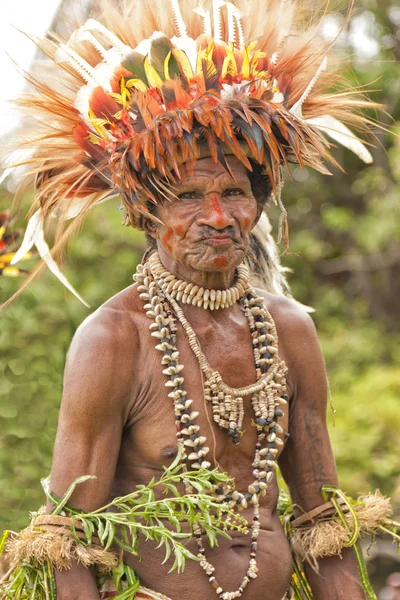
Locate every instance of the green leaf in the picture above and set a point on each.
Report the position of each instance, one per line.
(3, 540)
(88, 528)
(50, 582)
(117, 573)
(60, 505)
(111, 535)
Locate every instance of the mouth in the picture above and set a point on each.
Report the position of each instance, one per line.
(219, 240)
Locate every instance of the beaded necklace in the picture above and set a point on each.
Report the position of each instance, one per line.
(268, 393)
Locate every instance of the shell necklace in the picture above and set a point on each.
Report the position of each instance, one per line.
(189, 293)
(268, 394)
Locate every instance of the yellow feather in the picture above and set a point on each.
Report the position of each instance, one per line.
(138, 84)
(98, 124)
(166, 66)
(184, 63)
(202, 55)
(11, 271)
(153, 77)
(246, 64)
(251, 47)
(229, 64)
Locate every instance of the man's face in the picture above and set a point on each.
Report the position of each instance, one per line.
(207, 226)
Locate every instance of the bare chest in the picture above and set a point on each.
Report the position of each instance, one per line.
(150, 438)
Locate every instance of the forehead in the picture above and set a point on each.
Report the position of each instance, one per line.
(206, 168)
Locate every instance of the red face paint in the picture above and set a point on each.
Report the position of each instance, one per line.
(221, 261)
(246, 221)
(166, 239)
(217, 209)
(179, 230)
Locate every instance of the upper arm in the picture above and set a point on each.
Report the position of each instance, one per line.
(94, 409)
(307, 460)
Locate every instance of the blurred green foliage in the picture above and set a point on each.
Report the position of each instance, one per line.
(345, 257)
(35, 333)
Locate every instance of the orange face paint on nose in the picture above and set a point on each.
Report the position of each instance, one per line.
(215, 204)
(217, 209)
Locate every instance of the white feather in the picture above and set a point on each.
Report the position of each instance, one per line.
(180, 23)
(143, 47)
(82, 35)
(44, 252)
(93, 25)
(5, 174)
(274, 58)
(238, 16)
(217, 5)
(188, 45)
(206, 17)
(34, 236)
(34, 224)
(80, 65)
(296, 108)
(339, 132)
(104, 72)
(81, 103)
(232, 10)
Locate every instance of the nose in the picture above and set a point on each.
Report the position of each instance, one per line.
(215, 213)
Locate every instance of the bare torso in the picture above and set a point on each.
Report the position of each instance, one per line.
(149, 442)
(117, 422)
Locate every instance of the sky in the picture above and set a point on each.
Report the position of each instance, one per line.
(33, 17)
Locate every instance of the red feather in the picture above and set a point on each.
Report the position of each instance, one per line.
(103, 106)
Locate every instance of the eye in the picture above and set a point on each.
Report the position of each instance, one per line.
(188, 195)
(234, 192)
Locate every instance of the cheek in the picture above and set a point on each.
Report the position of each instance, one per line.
(167, 240)
(179, 230)
(247, 215)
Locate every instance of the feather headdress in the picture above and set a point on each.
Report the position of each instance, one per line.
(145, 87)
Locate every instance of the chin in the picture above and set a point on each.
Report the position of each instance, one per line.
(218, 260)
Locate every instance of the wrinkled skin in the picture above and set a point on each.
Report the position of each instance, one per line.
(117, 422)
(205, 231)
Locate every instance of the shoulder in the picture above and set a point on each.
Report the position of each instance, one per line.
(298, 342)
(111, 329)
(293, 323)
(101, 361)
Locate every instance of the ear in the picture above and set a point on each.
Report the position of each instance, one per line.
(150, 226)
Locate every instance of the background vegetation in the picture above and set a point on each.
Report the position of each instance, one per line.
(345, 257)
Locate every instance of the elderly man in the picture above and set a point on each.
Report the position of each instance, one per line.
(192, 132)
(116, 420)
